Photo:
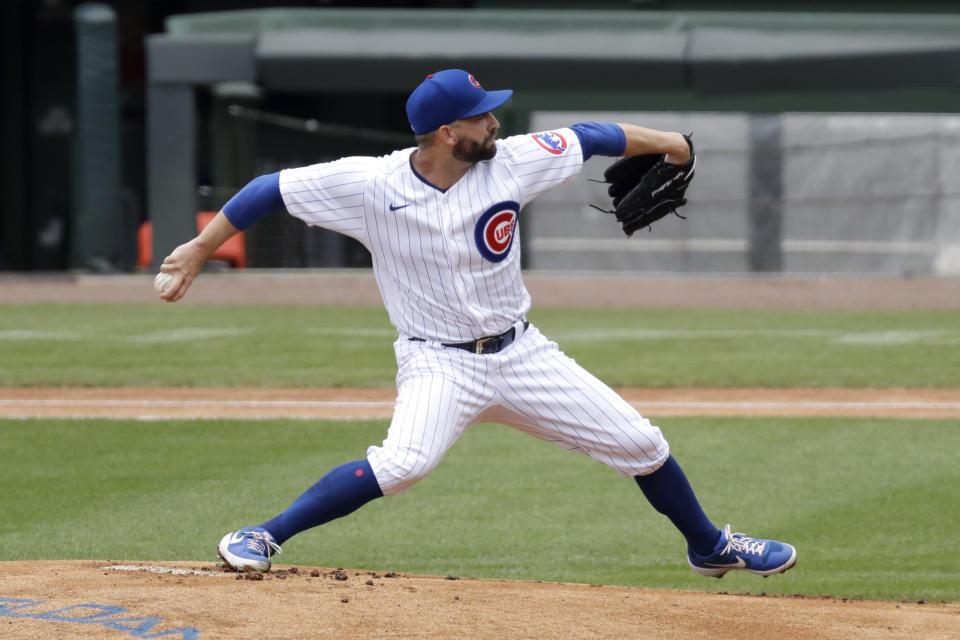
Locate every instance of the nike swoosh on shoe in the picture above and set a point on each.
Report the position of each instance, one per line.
(739, 564)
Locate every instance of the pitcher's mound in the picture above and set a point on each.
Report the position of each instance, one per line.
(110, 599)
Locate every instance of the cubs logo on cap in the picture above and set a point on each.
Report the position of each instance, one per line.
(552, 141)
(495, 230)
(449, 95)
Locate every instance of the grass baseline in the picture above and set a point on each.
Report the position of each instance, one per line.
(169, 345)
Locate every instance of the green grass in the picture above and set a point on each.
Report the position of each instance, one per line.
(871, 505)
(346, 346)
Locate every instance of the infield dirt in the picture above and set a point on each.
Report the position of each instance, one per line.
(101, 600)
(322, 403)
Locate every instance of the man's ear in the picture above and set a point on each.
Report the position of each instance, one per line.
(446, 135)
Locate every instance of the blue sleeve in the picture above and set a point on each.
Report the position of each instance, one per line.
(600, 138)
(254, 201)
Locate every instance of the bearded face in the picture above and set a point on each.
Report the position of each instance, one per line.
(467, 150)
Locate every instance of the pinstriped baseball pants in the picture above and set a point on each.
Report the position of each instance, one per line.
(531, 386)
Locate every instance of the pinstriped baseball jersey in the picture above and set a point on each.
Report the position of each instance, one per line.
(447, 262)
(448, 266)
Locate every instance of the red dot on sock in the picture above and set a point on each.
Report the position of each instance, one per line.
(358, 473)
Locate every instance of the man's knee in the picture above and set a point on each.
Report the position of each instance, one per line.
(640, 450)
(397, 471)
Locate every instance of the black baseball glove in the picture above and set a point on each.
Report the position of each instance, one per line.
(646, 188)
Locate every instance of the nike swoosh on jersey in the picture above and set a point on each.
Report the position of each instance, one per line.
(399, 206)
(739, 564)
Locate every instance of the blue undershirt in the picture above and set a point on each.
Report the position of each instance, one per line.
(600, 139)
(254, 201)
(262, 195)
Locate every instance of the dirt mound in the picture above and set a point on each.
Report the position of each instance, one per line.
(101, 599)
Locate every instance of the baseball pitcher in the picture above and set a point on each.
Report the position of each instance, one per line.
(440, 222)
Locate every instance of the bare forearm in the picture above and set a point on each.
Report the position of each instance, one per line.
(185, 262)
(218, 231)
(641, 140)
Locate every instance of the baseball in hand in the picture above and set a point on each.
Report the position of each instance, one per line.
(161, 282)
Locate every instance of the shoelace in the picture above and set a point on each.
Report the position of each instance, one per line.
(261, 543)
(742, 543)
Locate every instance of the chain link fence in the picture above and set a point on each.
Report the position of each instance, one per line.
(871, 194)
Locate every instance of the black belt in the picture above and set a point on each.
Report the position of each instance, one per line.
(489, 344)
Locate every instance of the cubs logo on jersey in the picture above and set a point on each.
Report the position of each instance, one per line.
(551, 141)
(495, 229)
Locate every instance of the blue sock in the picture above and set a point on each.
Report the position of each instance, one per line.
(343, 490)
(669, 492)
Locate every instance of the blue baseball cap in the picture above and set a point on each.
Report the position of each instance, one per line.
(450, 95)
